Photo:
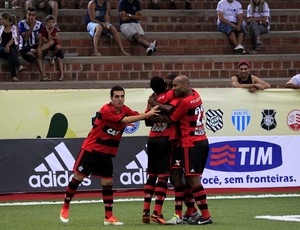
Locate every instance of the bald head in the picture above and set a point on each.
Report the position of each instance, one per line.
(183, 79)
(181, 86)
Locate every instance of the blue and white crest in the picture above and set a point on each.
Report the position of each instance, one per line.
(132, 127)
(240, 119)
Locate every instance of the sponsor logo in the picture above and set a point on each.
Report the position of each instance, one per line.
(293, 120)
(244, 156)
(268, 121)
(56, 171)
(240, 119)
(131, 128)
(136, 171)
(214, 120)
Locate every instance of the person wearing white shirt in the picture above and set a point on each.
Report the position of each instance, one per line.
(258, 13)
(294, 82)
(230, 20)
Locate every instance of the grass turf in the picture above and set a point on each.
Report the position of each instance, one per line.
(228, 214)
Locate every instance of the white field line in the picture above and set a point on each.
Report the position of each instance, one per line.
(282, 218)
(142, 199)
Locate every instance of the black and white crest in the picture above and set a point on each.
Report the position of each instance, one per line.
(268, 121)
(214, 120)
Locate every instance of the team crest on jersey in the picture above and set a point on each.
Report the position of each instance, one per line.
(240, 119)
(132, 127)
(214, 120)
(268, 121)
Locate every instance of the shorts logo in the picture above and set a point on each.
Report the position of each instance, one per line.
(214, 121)
(268, 121)
(240, 119)
(131, 128)
(293, 120)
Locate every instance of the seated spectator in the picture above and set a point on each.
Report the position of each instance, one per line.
(9, 41)
(187, 5)
(294, 82)
(17, 4)
(49, 7)
(50, 42)
(130, 15)
(29, 30)
(246, 80)
(97, 21)
(258, 14)
(230, 20)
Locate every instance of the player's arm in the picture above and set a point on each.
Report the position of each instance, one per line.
(291, 85)
(141, 116)
(259, 83)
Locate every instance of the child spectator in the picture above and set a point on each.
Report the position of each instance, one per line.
(9, 41)
(50, 42)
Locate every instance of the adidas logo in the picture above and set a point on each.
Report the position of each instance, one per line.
(137, 173)
(56, 171)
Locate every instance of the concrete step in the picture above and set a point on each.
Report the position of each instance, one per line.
(181, 43)
(207, 70)
(196, 4)
(170, 20)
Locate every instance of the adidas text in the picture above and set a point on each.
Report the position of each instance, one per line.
(53, 180)
(128, 178)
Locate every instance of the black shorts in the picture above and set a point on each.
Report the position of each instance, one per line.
(95, 163)
(191, 159)
(159, 155)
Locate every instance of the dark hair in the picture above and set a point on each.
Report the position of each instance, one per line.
(171, 77)
(158, 85)
(49, 17)
(10, 17)
(116, 88)
(30, 9)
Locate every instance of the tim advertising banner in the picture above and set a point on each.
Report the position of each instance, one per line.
(253, 138)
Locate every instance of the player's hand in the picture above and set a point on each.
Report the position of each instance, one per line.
(154, 111)
(152, 100)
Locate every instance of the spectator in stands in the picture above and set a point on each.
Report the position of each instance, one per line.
(9, 41)
(29, 40)
(17, 4)
(230, 22)
(130, 15)
(246, 80)
(294, 82)
(97, 21)
(50, 7)
(49, 41)
(258, 13)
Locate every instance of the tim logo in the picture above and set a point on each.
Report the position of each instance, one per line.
(240, 119)
(131, 128)
(244, 156)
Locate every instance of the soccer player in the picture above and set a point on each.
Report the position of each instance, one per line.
(191, 155)
(159, 147)
(98, 149)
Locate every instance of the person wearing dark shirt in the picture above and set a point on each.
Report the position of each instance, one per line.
(130, 14)
(9, 41)
(97, 21)
(246, 80)
(98, 149)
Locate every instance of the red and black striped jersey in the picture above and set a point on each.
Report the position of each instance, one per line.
(107, 130)
(188, 114)
(162, 129)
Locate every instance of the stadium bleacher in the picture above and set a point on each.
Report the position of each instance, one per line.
(188, 43)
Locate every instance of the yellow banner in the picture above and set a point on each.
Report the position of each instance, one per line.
(68, 113)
